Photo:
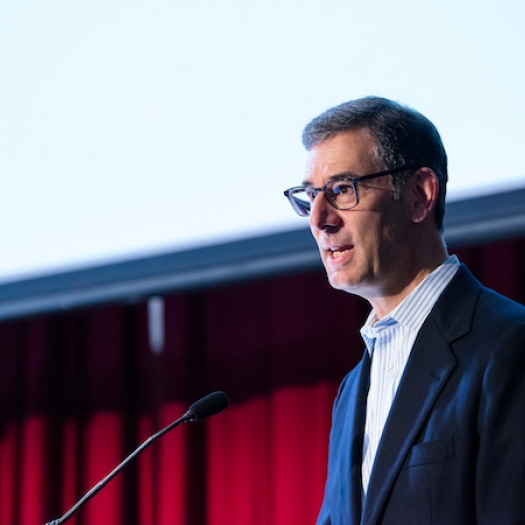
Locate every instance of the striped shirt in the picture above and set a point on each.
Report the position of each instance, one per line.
(389, 341)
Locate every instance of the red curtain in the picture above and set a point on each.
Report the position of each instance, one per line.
(79, 390)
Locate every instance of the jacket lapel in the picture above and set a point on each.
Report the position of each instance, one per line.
(357, 433)
(347, 445)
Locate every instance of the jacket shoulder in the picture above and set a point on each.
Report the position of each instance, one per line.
(466, 304)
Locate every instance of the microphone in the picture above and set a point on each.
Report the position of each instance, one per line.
(203, 408)
(208, 406)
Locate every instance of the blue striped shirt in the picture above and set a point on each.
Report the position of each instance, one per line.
(389, 341)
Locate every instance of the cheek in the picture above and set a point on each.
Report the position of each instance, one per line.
(377, 247)
(372, 235)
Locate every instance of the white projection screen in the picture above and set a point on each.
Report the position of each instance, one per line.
(132, 128)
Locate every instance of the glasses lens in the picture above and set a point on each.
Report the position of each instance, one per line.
(341, 193)
(301, 202)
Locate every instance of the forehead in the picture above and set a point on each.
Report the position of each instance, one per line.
(350, 152)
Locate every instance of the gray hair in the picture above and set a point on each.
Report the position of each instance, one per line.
(401, 135)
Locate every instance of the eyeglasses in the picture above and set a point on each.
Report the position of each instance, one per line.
(341, 192)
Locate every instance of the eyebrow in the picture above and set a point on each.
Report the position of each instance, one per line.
(337, 176)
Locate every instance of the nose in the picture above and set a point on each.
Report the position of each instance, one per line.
(323, 216)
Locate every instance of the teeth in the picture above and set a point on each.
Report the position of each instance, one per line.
(338, 253)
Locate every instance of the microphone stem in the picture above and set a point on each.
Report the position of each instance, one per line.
(101, 484)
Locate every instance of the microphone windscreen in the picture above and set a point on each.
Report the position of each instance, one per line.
(208, 406)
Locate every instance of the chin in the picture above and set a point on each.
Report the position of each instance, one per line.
(338, 282)
(346, 281)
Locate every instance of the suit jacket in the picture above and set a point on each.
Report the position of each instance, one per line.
(453, 447)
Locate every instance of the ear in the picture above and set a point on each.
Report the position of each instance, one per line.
(423, 190)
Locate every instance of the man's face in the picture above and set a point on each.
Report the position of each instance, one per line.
(363, 249)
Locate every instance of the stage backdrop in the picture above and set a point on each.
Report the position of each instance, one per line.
(79, 390)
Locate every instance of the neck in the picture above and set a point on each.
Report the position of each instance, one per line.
(411, 275)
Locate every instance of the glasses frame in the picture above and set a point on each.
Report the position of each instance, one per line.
(300, 210)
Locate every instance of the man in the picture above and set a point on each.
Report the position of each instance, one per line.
(429, 428)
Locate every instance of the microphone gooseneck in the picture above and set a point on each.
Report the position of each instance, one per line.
(203, 408)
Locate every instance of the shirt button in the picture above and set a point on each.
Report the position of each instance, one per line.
(389, 367)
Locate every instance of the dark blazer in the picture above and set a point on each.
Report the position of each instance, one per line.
(453, 447)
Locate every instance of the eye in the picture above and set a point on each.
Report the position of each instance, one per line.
(342, 187)
(310, 193)
(342, 194)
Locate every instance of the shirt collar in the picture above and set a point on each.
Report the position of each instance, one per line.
(416, 306)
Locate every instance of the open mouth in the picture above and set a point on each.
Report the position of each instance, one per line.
(338, 252)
